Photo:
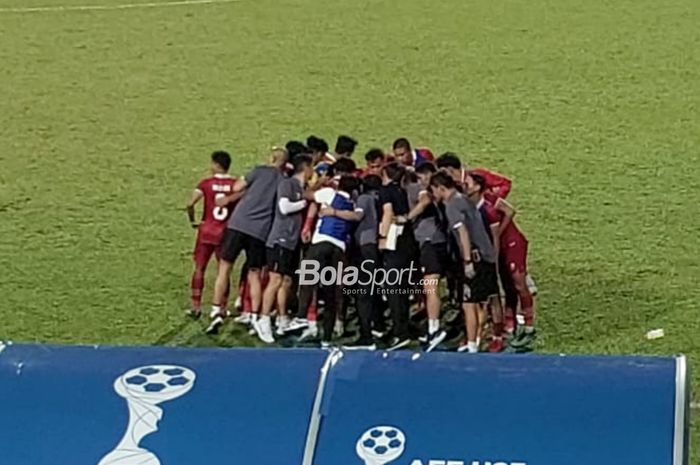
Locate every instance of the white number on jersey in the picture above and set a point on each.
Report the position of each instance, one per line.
(220, 213)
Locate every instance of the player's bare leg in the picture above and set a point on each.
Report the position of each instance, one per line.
(196, 288)
(496, 308)
(282, 300)
(471, 321)
(482, 314)
(224, 301)
(244, 294)
(527, 335)
(283, 295)
(432, 303)
(221, 287)
(221, 284)
(255, 283)
(201, 257)
(269, 297)
(511, 302)
(263, 325)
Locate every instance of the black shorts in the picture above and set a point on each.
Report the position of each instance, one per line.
(235, 242)
(434, 258)
(483, 285)
(281, 260)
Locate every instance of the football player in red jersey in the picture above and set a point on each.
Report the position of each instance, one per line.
(211, 228)
(497, 187)
(511, 245)
(374, 159)
(409, 157)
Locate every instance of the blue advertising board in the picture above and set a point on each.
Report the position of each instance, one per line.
(170, 406)
(90, 406)
(409, 409)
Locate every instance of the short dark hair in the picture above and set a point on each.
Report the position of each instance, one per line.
(345, 144)
(221, 158)
(348, 184)
(394, 171)
(426, 168)
(344, 166)
(374, 154)
(402, 143)
(371, 182)
(301, 162)
(442, 179)
(316, 144)
(295, 147)
(479, 181)
(448, 160)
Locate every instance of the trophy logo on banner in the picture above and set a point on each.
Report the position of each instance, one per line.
(144, 389)
(380, 445)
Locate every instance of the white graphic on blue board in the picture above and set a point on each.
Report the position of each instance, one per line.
(143, 389)
(380, 445)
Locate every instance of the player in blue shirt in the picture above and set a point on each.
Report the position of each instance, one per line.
(337, 212)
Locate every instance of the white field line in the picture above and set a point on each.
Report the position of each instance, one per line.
(123, 6)
(695, 405)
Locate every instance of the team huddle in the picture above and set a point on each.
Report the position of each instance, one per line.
(326, 242)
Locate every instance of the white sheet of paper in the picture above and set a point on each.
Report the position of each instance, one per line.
(395, 230)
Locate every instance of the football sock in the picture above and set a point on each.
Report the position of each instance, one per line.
(433, 326)
(527, 306)
(247, 303)
(497, 330)
(312, 313)
(196, 286)
(241, 293)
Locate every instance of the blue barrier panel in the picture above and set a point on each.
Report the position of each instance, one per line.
(147, 406)
(90, 406)
(450, 409)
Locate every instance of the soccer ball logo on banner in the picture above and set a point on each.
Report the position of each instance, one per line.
(380, 445)
(143, 389)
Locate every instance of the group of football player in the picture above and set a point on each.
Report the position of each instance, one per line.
(404, 209)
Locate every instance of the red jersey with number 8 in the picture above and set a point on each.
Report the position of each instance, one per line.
(214, 218)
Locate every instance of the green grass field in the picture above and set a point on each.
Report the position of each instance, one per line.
(107, 119)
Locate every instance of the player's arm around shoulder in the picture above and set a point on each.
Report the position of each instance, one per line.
(424, 199)
(505, 207)
(238, 191)
(349, 215)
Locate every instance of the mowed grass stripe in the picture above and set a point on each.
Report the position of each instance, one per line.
(108, 7)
